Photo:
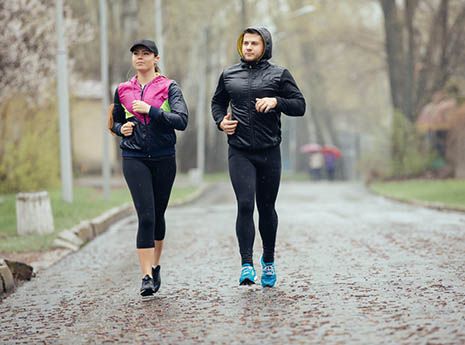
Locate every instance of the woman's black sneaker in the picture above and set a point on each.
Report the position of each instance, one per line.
(156, 278)
(147, 289)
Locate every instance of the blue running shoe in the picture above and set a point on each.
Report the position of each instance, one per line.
(268, 273)
(248, 275)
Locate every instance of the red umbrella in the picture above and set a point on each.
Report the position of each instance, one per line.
(331, 150)
(310, 148)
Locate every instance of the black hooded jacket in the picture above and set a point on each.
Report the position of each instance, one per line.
(240, 84)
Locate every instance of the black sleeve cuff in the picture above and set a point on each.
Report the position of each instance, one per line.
(154, 113)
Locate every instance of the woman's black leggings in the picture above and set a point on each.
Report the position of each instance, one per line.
(256, 174)
(150, 183)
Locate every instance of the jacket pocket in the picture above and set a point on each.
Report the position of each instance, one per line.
(136, 140)
(129, 143)
(164, 139)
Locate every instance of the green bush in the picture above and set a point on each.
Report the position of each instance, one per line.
(408, 156)
(374, 162)
(29, 155)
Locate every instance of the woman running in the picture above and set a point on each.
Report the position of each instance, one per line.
(146, 111)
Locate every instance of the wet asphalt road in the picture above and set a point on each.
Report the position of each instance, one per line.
(352, 268)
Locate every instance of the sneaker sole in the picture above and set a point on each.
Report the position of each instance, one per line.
(147, 293)
(268, 284)
(247, 282)
(147, 298)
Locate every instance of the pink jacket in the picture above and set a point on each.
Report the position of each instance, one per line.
(154, 93)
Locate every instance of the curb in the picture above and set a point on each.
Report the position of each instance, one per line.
(73, 239)
(76, 237)
(432, 205)
(191, 198)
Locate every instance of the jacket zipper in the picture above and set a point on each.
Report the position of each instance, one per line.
(142, 98)
(250, 112)
(145, 119)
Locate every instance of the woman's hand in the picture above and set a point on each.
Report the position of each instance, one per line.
(127, 128)
(140, 107)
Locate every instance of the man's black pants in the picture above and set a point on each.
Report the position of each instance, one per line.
(256, 175)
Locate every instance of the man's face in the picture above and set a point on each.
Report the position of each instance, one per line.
(252, 47)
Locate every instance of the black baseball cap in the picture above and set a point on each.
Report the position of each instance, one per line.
(150, 45)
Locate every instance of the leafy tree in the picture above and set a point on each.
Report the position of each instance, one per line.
(28, 49)
(424, 49)
(28, 122)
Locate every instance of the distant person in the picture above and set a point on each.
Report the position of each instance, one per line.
(147, 109)
(257, 92)
(330, 165)
(316, 163)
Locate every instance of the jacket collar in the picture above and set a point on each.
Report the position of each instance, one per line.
(135, 82)
(254, 64)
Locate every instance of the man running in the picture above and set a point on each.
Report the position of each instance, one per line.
(258, 93)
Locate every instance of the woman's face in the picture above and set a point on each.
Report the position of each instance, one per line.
(143, 59)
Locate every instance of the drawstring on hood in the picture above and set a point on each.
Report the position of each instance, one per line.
(266, 36)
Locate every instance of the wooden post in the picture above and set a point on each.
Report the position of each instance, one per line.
(33, 213)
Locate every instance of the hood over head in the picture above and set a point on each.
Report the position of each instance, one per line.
(266, 36)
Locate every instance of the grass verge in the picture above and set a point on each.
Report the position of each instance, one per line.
(448, 193)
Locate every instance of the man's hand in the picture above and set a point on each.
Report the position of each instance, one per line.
(140, 107)
(227, 125)
(264, 105)
(127, 128)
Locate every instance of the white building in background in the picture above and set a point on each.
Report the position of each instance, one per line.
(86, 127)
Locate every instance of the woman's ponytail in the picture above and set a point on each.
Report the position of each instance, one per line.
(110, 121)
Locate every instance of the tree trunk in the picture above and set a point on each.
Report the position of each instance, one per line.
(432, 62)
(409, 102)
(244, 17)
(34, 213)
(456, 48)
(442, 74)
(394, 52)
(318, 103)
(414, 78)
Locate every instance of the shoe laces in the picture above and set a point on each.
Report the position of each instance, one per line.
(269, 270)
(247, 270)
